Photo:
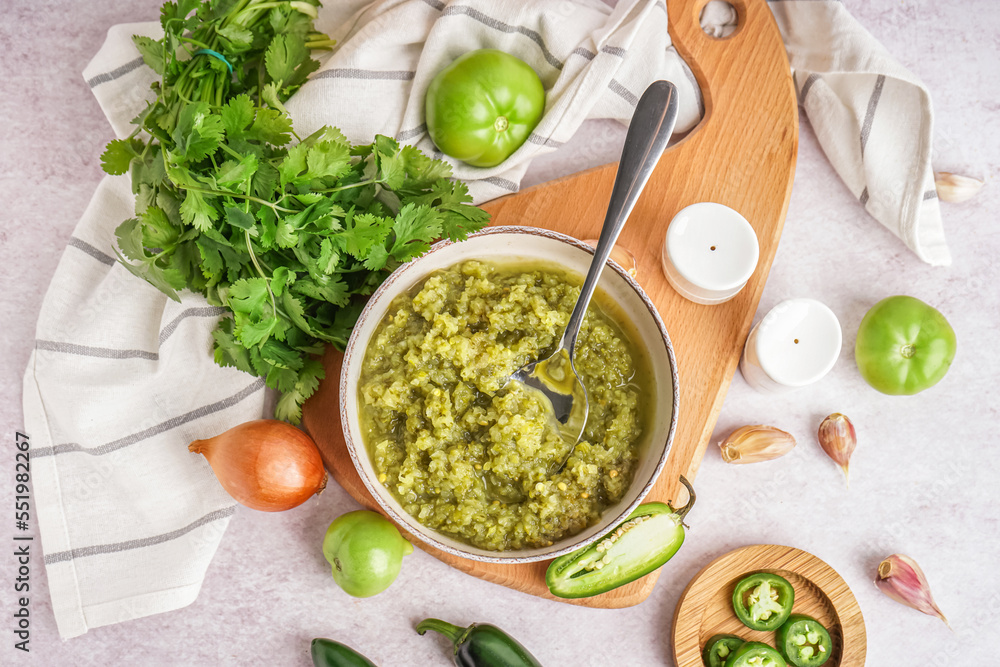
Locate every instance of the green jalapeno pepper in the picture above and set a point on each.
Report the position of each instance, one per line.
(720, 647)
(755, 654)
(328, 653)
(803, 641)
(763, 601)
(481, 645)
(647, 539)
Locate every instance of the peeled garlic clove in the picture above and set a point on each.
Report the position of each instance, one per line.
(838, 440)
(622, 256)
(901, 578)
(752, 444)
(954, 188)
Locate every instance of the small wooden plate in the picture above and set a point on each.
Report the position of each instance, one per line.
(706, 606)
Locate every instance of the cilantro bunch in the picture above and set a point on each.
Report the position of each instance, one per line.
(289, 236)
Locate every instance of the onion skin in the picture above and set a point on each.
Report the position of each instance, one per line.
(266, 464)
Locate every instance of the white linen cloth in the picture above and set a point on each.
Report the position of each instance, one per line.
(122, 378)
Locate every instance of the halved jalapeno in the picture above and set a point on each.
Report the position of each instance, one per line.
(646, 540)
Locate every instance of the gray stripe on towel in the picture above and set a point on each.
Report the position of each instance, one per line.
(930, 194)
(101, 257)
(409, 134)
(502, 183)
(618, 89)
(117, 72)
(543, 141)
(162, 427)
(810, 80)
(496, 24)
(206, 311)
(365, 74)
(866, 128)
(128, 545)
(88, 351)
(864, 196)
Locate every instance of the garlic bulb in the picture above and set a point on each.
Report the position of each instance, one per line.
(954, 188)
(752, 444)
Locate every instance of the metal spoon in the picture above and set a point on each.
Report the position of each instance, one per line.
(555, 377)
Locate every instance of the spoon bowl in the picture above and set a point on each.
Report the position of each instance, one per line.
(555, 377)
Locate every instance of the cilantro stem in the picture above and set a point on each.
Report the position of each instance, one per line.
(351, 185)
(267, 281)
(229, 150)
(194, 41)
(225, 193)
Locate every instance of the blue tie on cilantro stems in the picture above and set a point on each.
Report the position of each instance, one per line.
(290, 239)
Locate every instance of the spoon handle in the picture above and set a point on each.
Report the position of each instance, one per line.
(648, 133)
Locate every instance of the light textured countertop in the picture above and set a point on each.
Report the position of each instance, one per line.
(924, 478)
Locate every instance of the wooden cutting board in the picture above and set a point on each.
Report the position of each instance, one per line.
(742, 154)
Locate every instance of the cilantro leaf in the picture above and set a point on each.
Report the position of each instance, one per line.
(283, 55)
(239, 37)
(241, 220)
(232, 172)
(415, 227)
(198, 133)
(129, 235)
(365, 231)
(248, 296)
(289, 406)
(328, 159)
(151, 51)
(271, 127)
(237, 114)
(119, 154)
(197, 211)
(157, 231)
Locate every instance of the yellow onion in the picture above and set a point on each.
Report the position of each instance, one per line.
(267, 465)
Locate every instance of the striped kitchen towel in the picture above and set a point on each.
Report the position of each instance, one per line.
(122, 379)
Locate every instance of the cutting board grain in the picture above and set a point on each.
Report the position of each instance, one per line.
(706, 608)
(742, 154)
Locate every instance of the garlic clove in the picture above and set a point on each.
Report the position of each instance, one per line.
(753, 444)
(954, 188)
(838, 439)
(622, 256)
(901, 579)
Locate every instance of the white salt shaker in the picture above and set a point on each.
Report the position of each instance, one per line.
(796, 344)
(709, 253)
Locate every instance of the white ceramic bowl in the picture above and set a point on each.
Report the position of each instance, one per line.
(520, 243)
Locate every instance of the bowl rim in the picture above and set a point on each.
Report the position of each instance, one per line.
(408, 521)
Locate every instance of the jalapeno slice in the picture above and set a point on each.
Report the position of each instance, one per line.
(803, 641)
(646, 540)
(755, 654)
(719, 648)
(763, 601)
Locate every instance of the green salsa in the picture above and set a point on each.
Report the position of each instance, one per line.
(474, 458)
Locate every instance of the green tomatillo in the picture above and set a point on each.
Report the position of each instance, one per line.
(365, 551)
(483, 106)
(904, 346)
